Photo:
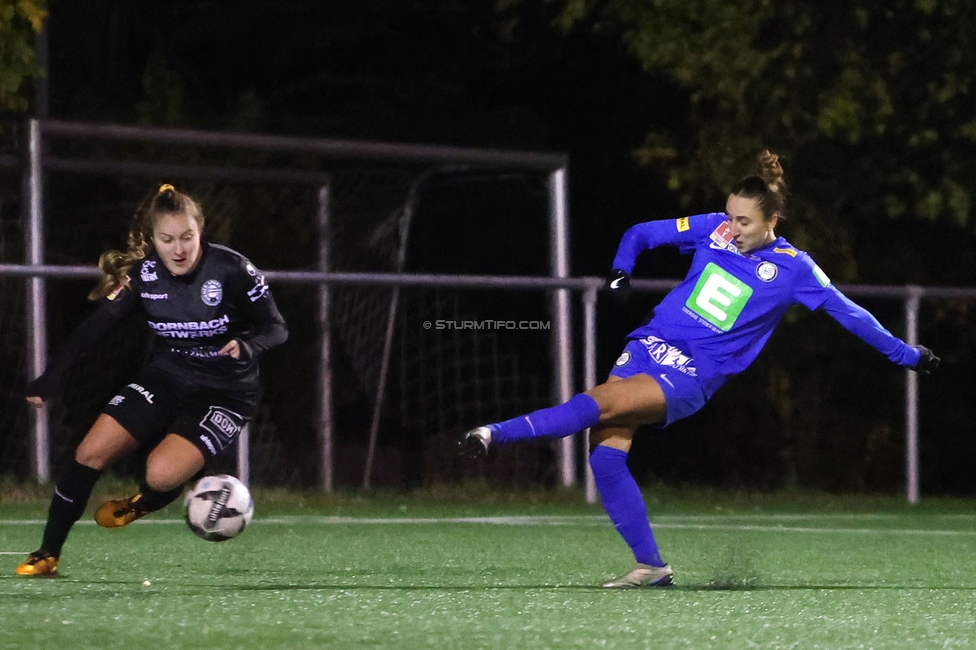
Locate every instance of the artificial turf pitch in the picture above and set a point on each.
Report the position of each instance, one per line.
(394, 573)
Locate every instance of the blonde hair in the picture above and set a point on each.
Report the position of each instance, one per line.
(115, 265)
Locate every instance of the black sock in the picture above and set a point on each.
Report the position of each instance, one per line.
(68, 504)
(153, 500)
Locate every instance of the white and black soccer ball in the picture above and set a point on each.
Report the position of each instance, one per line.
(218, 508)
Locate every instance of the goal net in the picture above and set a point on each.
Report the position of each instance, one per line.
(402, 392)
(422, 357)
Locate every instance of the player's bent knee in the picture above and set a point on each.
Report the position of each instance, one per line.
(164, 479)
(629, 402)
(92, 460)
(616, 437)
(172, 463)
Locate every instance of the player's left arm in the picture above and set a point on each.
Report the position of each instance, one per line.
(815, 290)
(254, 300)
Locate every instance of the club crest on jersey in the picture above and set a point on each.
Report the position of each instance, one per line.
(211, 293)
(148, 271)
(722, 238)
(767, 271)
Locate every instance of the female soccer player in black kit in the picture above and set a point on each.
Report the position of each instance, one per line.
(212, 315)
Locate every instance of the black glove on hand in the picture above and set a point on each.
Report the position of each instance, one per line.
(927, 362)
(618, 286)
(41, 387)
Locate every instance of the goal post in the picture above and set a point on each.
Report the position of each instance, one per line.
(418, 158)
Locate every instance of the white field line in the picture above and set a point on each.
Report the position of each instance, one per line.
(695, 522)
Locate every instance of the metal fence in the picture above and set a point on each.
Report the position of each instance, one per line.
(559, 286)
(431, 159)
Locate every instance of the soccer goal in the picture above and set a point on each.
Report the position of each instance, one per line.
(339, 228)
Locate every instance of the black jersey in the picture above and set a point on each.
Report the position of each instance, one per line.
(192, 317)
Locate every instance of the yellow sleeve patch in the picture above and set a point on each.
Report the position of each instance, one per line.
(788, 251)
(117, 290)
(682, 224)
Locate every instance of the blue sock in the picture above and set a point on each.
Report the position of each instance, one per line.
(623, 502)
(580, 412)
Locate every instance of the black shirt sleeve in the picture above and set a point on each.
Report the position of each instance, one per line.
(255, 302)
(109, 312)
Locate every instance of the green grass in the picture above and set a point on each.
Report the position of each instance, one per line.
(752, 571)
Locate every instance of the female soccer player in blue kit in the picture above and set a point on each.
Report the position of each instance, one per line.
(710, 327)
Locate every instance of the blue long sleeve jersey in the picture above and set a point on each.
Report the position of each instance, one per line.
(727, 307)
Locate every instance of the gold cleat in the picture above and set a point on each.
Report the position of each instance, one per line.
(38, 563)
(120, 512)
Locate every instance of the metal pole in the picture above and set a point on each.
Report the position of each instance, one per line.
(911, 397)
(244, 455)
(374, 427)
(344, 149)
(326, 416)
(406, 219)
(560, 310)
(589, 379)
(42, 84)
(36, 297)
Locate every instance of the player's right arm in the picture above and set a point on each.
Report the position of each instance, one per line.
(110, 311)
(683, 233)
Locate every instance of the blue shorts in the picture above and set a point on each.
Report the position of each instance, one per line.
(672, 369)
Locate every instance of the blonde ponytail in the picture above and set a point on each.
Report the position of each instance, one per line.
(115, 265)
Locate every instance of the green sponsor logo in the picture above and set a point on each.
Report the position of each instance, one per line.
(719, 297)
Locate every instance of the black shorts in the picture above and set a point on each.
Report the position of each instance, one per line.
(154, 405)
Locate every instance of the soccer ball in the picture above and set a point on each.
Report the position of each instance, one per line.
(218, 508)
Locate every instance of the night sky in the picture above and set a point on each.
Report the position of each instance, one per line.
(416, 72)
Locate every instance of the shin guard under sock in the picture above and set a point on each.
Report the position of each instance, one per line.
(71, 495)
(623, 502)
(580, 412)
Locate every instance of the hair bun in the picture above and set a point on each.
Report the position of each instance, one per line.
(771, 171)
(165, 187)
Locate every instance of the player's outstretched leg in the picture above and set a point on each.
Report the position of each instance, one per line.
(71, 495)
(580, 412)
(625, 506)
(122, 512)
